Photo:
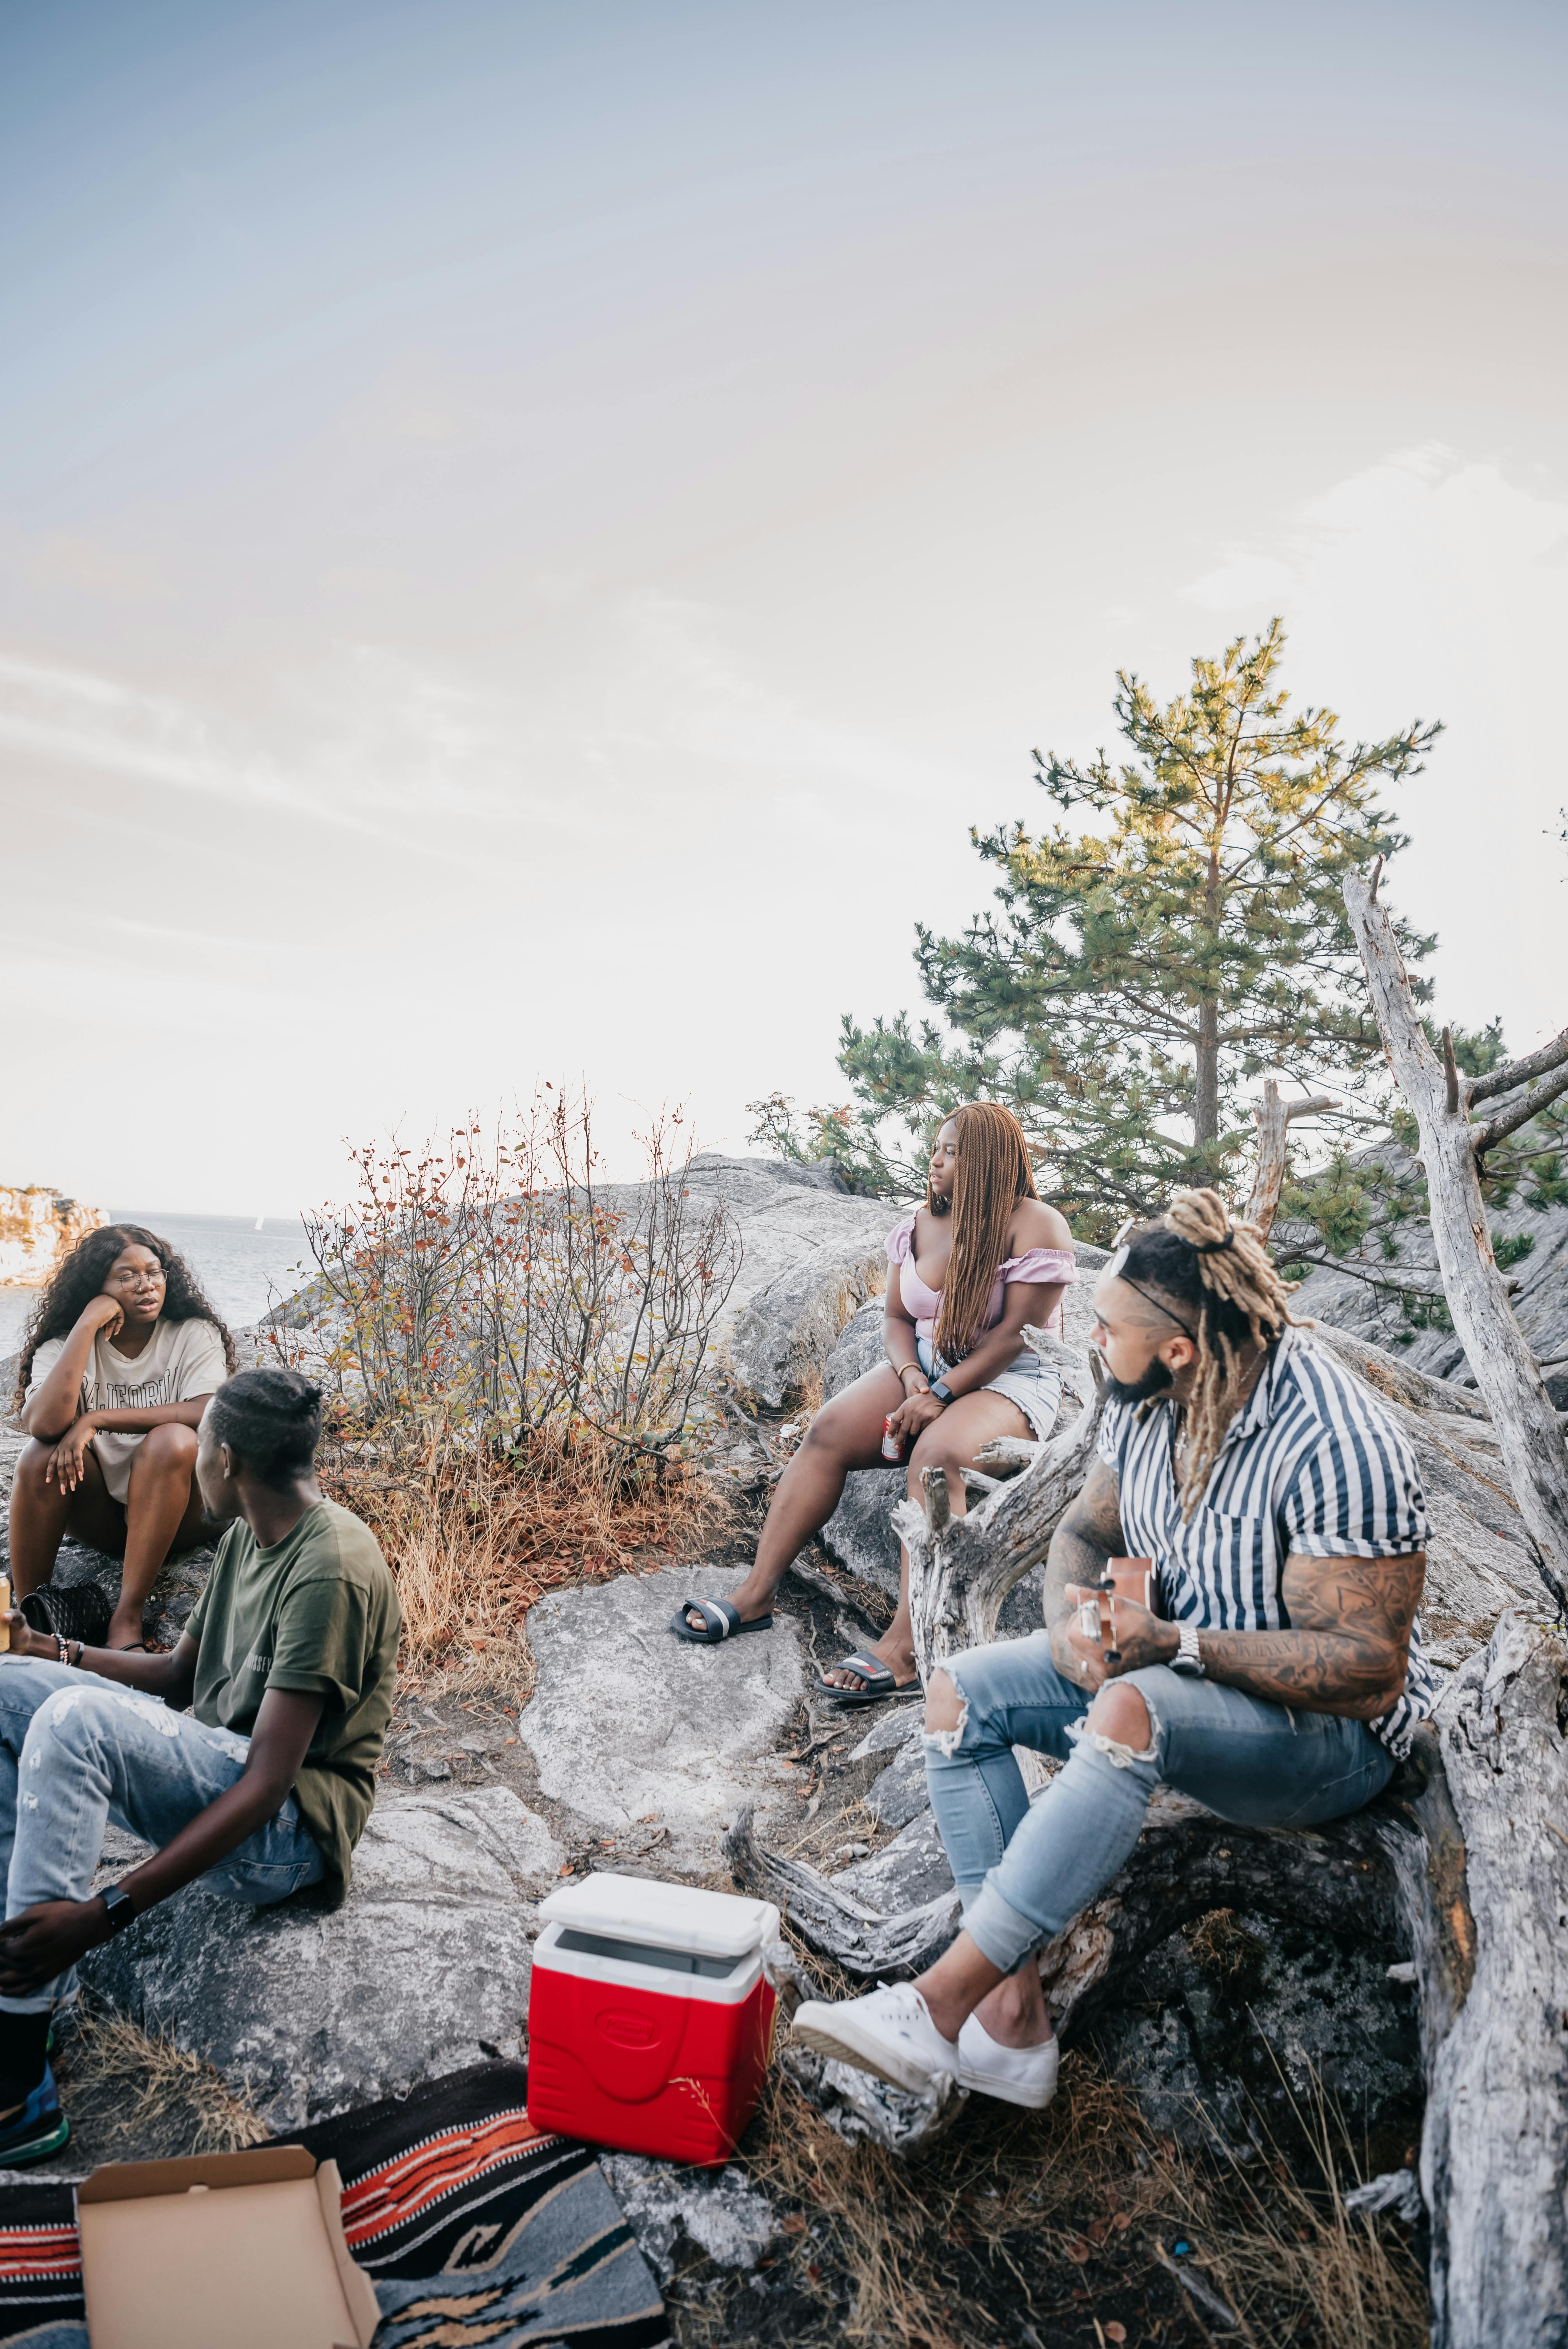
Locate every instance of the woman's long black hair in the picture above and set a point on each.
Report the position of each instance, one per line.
(82, 1277)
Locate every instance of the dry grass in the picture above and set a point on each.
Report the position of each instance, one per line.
(152, 2082)
(474, 1538)
(1063, 2222)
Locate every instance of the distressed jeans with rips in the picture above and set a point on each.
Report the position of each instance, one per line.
(77, 1752)
(1024, 1870)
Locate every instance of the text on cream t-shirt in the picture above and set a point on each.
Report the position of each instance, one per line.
(180, 1359)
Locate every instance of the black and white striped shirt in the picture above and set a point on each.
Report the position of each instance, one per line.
(1313, 1463)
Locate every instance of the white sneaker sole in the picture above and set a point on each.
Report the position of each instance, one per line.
(829, 2030)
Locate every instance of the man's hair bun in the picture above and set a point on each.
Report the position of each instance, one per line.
(271, 1421)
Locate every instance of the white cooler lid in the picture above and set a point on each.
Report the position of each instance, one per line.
(666, 1916)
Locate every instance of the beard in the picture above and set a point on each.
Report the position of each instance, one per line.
(1155, 1380)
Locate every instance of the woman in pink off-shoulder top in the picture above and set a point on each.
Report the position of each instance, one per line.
(984, 1257)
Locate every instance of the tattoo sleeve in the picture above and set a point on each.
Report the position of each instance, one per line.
(1348, 1644)
(1088, 1534)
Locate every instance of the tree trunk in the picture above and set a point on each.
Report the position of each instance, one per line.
(1206, 1101)
(1521, 1410)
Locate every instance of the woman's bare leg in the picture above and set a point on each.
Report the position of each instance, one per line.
(163, 1506)
(846, 1433)
(950, 1442)
(42, 1515)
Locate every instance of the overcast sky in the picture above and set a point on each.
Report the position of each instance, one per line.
(529, 533)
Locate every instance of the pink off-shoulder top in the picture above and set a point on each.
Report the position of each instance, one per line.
(1038, 1265)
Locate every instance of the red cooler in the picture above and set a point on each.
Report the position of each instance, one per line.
(649, 2020)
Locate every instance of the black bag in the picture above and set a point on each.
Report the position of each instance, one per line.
(80, 1611)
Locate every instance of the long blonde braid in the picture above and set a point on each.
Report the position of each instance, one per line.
(1227, 1273)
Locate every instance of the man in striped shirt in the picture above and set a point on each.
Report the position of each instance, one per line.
(1277, 1678)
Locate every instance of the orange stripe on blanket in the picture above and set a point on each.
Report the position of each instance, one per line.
(32, 2252)
(402, 2189)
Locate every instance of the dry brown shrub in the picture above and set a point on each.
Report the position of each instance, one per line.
(474, 1536)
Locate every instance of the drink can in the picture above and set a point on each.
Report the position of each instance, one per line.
(891, 1449)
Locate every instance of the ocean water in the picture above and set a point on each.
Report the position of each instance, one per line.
(241, 1269)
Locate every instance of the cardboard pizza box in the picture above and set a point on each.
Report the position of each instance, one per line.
(229, 2250)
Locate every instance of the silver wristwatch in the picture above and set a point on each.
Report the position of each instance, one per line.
(1187, 1659)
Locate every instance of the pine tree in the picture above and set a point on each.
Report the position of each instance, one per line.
(1139, 974)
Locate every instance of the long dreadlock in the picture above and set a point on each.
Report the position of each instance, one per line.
(1225, 1291)
(991, 1173)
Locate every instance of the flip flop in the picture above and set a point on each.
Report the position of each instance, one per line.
(720, 1621)
(879, 1680)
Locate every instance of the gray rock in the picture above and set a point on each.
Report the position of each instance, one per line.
(626, 1720)
(424, 1969)
(810, 1257)
(1265, 2014)
(719, 2210)
(899, 1795)
(892, 1730)
(904, 1875)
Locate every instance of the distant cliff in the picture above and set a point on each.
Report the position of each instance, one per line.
(36, 1227)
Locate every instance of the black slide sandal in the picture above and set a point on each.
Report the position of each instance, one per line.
(720, 1621)
(879, 1680)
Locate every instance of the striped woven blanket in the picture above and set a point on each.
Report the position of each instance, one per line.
(474, 2227)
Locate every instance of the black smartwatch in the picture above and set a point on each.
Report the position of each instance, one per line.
(120, 1905)
(941, 1390)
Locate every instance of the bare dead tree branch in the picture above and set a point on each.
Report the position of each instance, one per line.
(1272, 1118)
(1520, 1072)
(1519, 1113)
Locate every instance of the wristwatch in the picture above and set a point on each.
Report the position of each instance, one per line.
(120, 1905)
(1187, 1659)
(941, 1390)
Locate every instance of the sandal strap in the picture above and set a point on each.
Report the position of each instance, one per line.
(729, 1616)
(869, 1667)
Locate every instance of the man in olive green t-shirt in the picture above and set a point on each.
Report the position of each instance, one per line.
(264, 1786)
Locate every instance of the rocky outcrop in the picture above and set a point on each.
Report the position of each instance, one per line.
(37, 1227)
(628, 1721)
(812, 1253)
(424, 1969)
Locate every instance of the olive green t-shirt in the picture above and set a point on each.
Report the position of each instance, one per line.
(318, 1613)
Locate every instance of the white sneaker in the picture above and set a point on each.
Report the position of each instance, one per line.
(889, 2031)
(1018, 2076)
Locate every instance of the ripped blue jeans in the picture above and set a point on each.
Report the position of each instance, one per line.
(77, 1752)
(1024, 1870)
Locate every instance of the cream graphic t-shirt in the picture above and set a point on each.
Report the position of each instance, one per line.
(180, 1359)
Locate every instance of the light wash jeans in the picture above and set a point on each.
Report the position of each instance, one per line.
(77, 1752)
(1024, 1870)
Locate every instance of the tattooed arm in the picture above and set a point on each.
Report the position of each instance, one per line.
(1088, 1534)
(1346, 1651)
(1348, 1643)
